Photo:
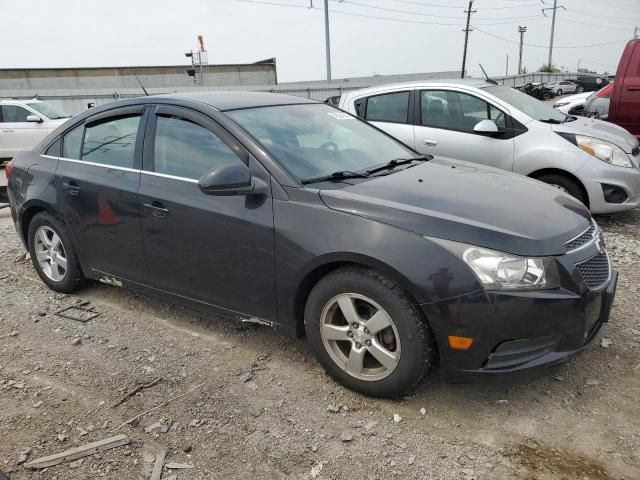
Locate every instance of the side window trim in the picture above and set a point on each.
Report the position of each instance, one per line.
(200, 119)
(141, 110)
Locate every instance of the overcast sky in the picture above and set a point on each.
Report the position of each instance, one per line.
(70, 33)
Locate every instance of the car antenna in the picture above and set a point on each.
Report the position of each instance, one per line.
(489, 80)
(146, 94)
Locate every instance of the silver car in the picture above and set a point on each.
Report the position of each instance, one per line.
(562, 86)
(595, 161)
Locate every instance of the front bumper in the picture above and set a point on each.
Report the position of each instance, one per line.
(596, 174)
(517, 335)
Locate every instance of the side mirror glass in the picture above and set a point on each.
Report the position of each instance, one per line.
(232, 179)
(486, 127)
(34, 118)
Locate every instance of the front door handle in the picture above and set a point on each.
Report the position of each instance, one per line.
(430, 143)
(158, 209)
(7, 131)
(72, 188)
(633, 88)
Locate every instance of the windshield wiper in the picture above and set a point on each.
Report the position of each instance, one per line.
(390, 165)
(340, 175)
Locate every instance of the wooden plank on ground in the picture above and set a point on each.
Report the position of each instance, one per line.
(157, 467)
(79, 452)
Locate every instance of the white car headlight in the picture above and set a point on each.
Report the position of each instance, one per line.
(504, 271)
(605, 151)
(560, 104)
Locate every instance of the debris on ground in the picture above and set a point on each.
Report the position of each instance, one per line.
(159, 463)
(346, 436)
(80, 313)
(178, 466)
(131, 393)
(396, 418)
(605, 342)
(79, 452)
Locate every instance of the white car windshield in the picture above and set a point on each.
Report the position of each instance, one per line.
(47, 110)
(316, 140)
(536, 109)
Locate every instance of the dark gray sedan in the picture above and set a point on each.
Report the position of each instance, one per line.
(294, 214)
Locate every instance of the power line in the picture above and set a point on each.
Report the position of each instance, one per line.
(601, 16)
(547, 46)
(617, 5)
(349, 2)
(593, 25)
(413, 2)
(374, 17)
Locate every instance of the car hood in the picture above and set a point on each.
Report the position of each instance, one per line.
(574, 98)
(592, 127)
(467, 203)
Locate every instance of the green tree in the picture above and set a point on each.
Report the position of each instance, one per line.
(548, 68)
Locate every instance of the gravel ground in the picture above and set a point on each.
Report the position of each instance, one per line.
(258, 406)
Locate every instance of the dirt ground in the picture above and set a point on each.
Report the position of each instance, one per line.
(258, 406)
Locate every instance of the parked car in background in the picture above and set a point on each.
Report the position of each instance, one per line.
(292, 213)
(3, 183)
(562, 87)
(539, 91)
(624, 109)
(495, 125)
(573, 104)
(597, 105)
(589, 83)
(24, 123)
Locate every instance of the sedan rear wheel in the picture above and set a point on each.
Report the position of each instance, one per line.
(368, 333)
(53, 254)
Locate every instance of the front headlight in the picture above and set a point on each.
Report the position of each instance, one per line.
(560, 104)
(605, 151)
(504, 271)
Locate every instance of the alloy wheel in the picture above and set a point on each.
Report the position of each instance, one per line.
(50, 253)
(360, 336)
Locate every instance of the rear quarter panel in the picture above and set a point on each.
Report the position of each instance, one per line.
(32, 186)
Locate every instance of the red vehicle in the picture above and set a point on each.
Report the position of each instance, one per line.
(624, 109)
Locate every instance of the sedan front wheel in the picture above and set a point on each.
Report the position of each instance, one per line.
(367, 333)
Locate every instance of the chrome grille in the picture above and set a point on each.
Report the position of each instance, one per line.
(596, 271)
(583, 239)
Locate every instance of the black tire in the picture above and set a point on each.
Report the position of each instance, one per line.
(564, 183)
(416, 340)
(546, 96)
(73, 277)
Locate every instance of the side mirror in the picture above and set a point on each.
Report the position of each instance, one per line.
(232, 179)
(486, 127)
(34, 119)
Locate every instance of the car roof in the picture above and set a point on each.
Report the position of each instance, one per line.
(468, 82)
(229, 100)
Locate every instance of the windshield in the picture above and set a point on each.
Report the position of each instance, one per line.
(536, 109)
(314, 140)
(47, 110)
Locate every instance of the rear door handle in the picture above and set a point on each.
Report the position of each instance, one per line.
(430, 143)
(7, 131)
(72, 188)
(633, 88)
(158, 209)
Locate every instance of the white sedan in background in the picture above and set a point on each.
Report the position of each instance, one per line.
(562, 86)
(24, 123)
(573, 104)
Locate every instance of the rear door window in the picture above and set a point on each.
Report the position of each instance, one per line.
(111, 142)
(388, 107)
(185, 149)
(13, 113)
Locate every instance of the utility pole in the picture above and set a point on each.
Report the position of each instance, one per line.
(521, 29)
(327, 38)
(553, 26)
(466, 37)
(506, 70)
(635, 33)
